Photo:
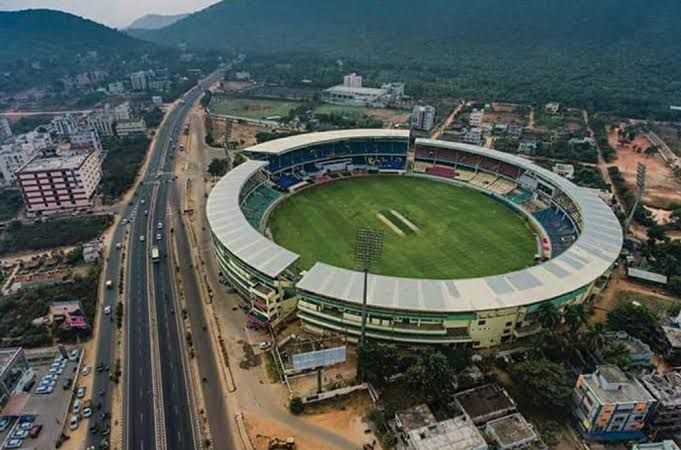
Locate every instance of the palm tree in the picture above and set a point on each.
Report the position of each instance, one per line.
(575, 315)
(548, 315)
(595, 338)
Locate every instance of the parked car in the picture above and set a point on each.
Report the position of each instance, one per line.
(4, 423)
(75, 353)
(73, 422)
(76, 406)
(87, 408)
(35, 431)
(13, 443)
(20, 434)
(80, 392)
(107, 309)
(85, 370)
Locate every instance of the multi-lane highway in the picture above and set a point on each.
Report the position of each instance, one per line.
(157, 411)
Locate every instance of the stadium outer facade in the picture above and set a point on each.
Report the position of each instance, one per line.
(580, 240)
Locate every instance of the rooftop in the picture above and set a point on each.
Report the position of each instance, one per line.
(341, 89)
(485, 402)
(72, 161)
(512, 430)
(610, 385)
(636, 346)
(664, 445)
(665, 388)
(7, 355)
(425, 433)
(673, 336)
(415, 417)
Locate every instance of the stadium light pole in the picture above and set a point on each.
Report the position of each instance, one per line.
(368, 250)
(640, 190)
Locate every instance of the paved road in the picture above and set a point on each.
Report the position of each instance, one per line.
(139, 409)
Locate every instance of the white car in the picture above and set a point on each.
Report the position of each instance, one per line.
(76, 406)
(80, 392)
(265, 345)
(160, 225)
(20, 434)
(13, 443)
(75, 353)
(73, 422)
(118, 245)
(85, 370)
(158, 236)
(107, 310)
(142, 238)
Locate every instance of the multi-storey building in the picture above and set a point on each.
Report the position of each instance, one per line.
(85, 138)
(352, 80)
(138, 80)
(5, 129)
(609, 406)
(130, 127)
(423, 117)
(64, 125)
(19, 150)
(59, 183)
(665, 422)
(102, 122)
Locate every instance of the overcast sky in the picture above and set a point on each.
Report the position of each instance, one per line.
(114, 13)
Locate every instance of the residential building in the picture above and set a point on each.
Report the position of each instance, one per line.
(665, 421)
(92, 251)
(527, 147)
(582, 141)
(640, 352)
(514, 131)
(352, 80)
(63, 125)
(608, 406)
(116, 88)
(59, 183)
(14, 372)
(157, 100)
(472, 136)
(138, 80)
(671, 344)
(68, 315)
(475, 117)
(513, 432)
(159, 85)
(485, 403)
(85, 138)
(663, 445)
(120, 112)
(423, 117)
(102, 122)
(5, 129)
(130, 127)
(20, 149)
(421, 431)
(552, 107)
(564, 170)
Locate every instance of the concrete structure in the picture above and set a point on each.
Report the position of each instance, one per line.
(17, 151)
(513, 432)
(59, 183)
(608, 406)
(120, 112)
(479, 312)
(352, 80)
(138, 80)
(131, 127)
(116, 88)
(421, 431)
(564, 170)
(157, 100)
(14, 371)
(475, 117)
(5, 129)
(485, 403)
(68, 315)
(663, 445)
(552, 107)
(423, 117)
(640, 352)
(92, 251)
(86, 139)
(671, 344)
(352, 93)
(527, 147)
(665, 422)
(101, 121)
(646, 276)
(64, 125)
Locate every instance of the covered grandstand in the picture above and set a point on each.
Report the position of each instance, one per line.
(581, 240)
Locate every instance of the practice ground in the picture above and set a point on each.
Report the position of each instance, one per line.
(251, 108)
(460, 233)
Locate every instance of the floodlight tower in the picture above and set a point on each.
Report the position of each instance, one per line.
(368, 250)
(640, 189)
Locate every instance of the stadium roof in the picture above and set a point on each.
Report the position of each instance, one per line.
(230, 227)
(591, 255)
(287, 144)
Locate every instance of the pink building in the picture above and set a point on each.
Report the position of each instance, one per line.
(59, 183)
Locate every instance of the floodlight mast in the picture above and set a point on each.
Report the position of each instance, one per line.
(640, 190)
(368, 250)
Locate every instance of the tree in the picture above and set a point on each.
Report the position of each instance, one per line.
(675, 284)
(594, 338)
(218, 167)
(575, 315)
(636, 320)
(431, 374)
(206, 98)
(296, 405)
(548, 315)
(544, 384)
(376, 362)
(619, 355)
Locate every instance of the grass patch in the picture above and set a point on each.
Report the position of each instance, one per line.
(10, 204)
(19, 237)
(388, 214)
(121, 165)
(464, 233)
(251, 108)
(271, 368)
(657, 305)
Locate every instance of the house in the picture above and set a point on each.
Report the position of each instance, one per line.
(92, 251)
(513, 432)
(640, 352)
(68, 315)
(527, 147)
(485, 403)
(552, 107)
(421, 431)
(665, 421)
(609, 406)
(564, 170)
(671, 344)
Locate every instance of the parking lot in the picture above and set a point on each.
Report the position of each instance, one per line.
(36, 416)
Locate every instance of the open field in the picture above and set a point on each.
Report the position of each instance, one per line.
(662, 187)
(463, 233)
(389, 116)
(251, 108)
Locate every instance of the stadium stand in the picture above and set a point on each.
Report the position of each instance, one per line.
(256, 204)
(441, 171)
(502, 186)
(421, 167)
(483, 179)
(519, 196)
(559, 228)
(464, 175)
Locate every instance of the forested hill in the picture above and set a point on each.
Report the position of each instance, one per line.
(624, 50)
(155, 21)
(41, 33)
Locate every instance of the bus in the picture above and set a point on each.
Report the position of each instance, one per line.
(155, 255)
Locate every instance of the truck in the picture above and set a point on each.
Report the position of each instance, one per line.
(155, 255)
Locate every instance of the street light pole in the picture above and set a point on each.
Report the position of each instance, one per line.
(368, 250)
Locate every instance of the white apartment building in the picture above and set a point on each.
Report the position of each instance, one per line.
(102, 122)
(5, 129)
(138, 80)
(352, 80)
(63, 125)
(476, 117)
(19, 150)
(85, 138)
(423, 117)
(59, 183)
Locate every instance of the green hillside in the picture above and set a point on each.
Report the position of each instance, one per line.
(611, 54)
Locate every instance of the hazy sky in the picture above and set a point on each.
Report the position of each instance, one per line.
(114, 13)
